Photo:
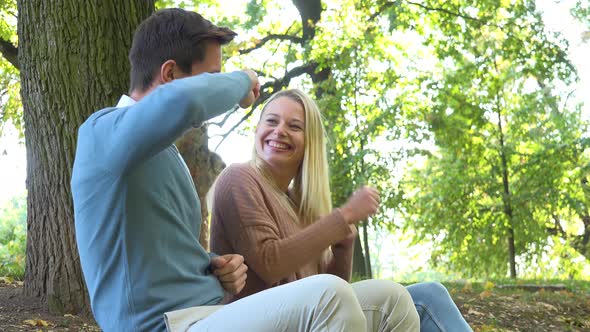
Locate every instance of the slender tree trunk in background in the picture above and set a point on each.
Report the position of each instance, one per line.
(73, 61)
(367, 252)
(506, 199)
(204, 167)
(359, 270)
(580, 242)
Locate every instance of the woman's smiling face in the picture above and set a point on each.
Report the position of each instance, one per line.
(280, 134)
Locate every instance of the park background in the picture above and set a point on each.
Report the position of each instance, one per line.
(471, 117)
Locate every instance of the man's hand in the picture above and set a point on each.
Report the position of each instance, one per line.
(254, 90)
(231, 272)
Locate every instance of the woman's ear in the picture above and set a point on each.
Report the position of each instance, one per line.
(167, 71)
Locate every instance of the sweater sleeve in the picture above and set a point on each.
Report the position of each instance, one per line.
(127, 136)
(252, 231)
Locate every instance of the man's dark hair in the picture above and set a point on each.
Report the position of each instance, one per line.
(171, 34)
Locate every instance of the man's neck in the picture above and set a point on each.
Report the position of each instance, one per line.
(137, 94)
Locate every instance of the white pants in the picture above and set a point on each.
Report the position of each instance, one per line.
(317, 303)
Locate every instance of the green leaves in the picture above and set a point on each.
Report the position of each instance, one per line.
(450, 108)
(503, 144)
(13, 226)
(581, 11)
(453, 109)
(256, 11)
(8, 17)
(10, 102)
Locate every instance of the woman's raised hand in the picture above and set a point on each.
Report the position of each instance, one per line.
(361, 204)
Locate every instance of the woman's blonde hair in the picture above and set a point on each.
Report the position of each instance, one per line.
(311, 185)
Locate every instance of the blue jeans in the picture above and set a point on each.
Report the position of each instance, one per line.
(438, 312)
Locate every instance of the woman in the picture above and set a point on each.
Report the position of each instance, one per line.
(276, 211)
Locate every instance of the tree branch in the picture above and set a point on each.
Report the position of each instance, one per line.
(388, 4)
(485, 20)
(227, 115)
(443, 10)
(244, 118)
(267, 89)
(310, 12)
(270, 37)
(579, 242)
(381, 10)
(10, 52)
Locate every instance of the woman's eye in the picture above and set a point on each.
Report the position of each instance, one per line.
(296, 127)
(271, 121)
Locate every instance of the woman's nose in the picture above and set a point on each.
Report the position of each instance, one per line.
(280, 129)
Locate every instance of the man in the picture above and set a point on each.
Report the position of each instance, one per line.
(137, 212)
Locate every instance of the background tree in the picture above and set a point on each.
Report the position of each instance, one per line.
(67, 72)
(9, 81)
(13, 225)
(581, 11)
(487, 192)
(481, 90)
(329, 50)
(471, 90)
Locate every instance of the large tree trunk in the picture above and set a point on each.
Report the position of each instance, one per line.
(204, 167)
(73, 60)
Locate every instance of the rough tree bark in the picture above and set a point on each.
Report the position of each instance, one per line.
(204, 167)
(71, 56)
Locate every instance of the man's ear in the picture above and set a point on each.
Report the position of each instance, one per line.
(167, 71)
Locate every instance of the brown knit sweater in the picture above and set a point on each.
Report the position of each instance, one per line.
(248, 220)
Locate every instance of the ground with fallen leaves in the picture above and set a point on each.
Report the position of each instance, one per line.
(490, 307)
(21, 313)
(486, 306)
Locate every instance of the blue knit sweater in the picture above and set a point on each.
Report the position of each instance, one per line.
(137, 213)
